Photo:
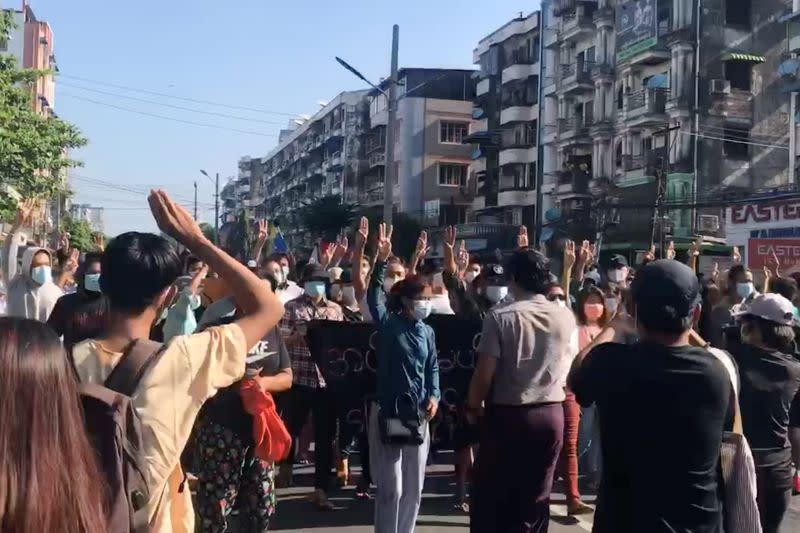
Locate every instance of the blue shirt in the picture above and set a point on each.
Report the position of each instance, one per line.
(407, 359)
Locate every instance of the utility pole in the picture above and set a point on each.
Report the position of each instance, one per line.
(389, 177)
(195, 200)
(216, 210)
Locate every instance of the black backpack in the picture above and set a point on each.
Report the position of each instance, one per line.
(115, 433)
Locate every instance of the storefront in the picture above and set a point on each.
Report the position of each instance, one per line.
(759, 230)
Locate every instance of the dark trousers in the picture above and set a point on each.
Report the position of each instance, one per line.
(324, 408)
(774, 495)
(513, 472)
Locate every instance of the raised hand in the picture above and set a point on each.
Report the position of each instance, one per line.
(450, 237)
(694, 249)
(384, 242)
(174, 220)
(715, 273)
(25, 212)
(585, 255)
(671, 250)
(99, 242)
(326, 257)
(362, 234)
(263, 231)
(523, 242)
(462, 259)
(773, 265)
(339, 250)
(736, 257)
(71, 266)
(422, 248)
(569, 255)
(650, 255)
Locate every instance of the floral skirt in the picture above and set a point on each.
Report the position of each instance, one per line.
(230, 477)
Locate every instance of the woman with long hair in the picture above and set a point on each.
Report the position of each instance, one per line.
(49, 478)
(407, 393)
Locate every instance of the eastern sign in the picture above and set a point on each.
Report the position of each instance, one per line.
(764, 213)
(637, 27)
(786, 250)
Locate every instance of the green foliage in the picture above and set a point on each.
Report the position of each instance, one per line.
(327, 217)
(81, 234)
(209, 231)
(33, 148)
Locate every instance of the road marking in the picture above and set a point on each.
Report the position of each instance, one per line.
(560, 510)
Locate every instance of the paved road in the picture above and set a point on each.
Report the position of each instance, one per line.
(436, 516)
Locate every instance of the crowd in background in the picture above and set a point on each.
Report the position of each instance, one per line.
(634, 377)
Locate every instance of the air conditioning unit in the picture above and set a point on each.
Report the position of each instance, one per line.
(709, 223)
(720, 87)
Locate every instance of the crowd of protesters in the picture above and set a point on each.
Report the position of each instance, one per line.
(629, 379)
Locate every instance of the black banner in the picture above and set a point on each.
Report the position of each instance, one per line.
(346, 354)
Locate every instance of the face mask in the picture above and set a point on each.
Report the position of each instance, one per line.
(593, 311)
(422, 309)
(315, 289)
(336, 292)
(349, 295)
(470, 276)
(611, 305)
(91, 282)
(744, 289)
(285, 270)
(495, 294)
(617, 275)
(42, 275)
(388, 283)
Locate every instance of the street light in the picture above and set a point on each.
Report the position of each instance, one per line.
(391, 105)
(215, 181)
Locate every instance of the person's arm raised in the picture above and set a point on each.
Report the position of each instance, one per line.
(260, 307)
(359, 283)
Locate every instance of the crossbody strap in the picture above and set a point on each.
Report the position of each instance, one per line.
(136, 359)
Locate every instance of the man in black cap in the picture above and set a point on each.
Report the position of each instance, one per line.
(663, 404)
(617, 271)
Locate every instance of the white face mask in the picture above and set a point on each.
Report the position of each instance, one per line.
(388, 283)
(617, 275)
(470, 276)
(495, 294)
(285, 270)
(422, 309)
(611, 305)
(744, 289)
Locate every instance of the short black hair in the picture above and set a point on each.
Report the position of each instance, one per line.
(137, 267)
(93, 257)
(663, 319)
(530, 270)
(269, 278)
(786, 287)
(776, 336)
(192, 260)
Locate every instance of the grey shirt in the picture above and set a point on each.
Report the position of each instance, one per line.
(535, 342)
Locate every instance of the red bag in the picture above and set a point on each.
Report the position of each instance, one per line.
(272, 439)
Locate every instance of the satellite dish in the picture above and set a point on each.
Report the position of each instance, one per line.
(552, 215)
(477, 153)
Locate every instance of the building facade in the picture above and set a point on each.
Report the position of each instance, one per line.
(505, 134)
(94, 215)
(669, 102)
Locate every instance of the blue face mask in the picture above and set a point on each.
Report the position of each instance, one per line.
(91, 282)
(315, 289)
(42, 275)
(422, 309)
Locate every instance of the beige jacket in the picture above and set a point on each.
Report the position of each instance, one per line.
(168, 399)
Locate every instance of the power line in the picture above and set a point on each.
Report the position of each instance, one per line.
(166, 95)
(123, 188)
(164, 117)
(171, 106)
(741, 132)
(763, 145)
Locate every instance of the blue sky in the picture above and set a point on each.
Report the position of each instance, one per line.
(262, 54)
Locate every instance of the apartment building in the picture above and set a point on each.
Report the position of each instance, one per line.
(643, 99)
(505, 133)
(94, 215)
(434, 114)
(321, 157)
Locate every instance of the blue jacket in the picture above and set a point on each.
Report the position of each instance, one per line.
(407, 358)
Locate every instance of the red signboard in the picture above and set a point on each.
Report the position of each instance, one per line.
(750, 213)
(786, 250)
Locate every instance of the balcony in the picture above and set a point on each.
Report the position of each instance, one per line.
(573, 182)
(550, 37)
(574, 131)
(483, 87)
(646, 106)
(602, 71)
(377, 159)
(603, 16)
(371, 198)
(575, 26)
(335, 131)
(519, 113)
(510, 156)
(735, 107)
(520, 71)
(335, 160)
(576, 77)
(650, 51)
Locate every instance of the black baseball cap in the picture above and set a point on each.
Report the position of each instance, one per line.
(668, 285)
(315, 272)
(618, 261)
(494, 274)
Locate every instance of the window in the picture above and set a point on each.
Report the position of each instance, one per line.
(739, 73)
(452, 175)
(453, 132)
(735, 144)
(452, 214)
(737, 13)
(647, 144)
